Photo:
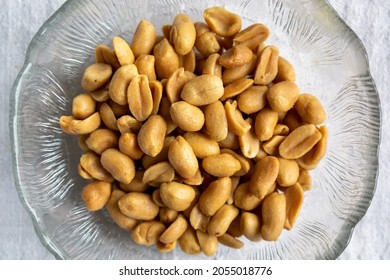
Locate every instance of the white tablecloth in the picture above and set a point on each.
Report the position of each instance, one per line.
(19, 21)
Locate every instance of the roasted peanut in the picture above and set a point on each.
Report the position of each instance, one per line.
(119, 218)
(222, 219)
(120, 166)
(182, 34)
(81, 142)
(249, 142)
(104, 54)
(198, 219)
(233, 74)
(148, 161)
(215, 195)
(212, 67)
(189, 242)
(176, 82)
(156, 197)
(102, 139)
(265, 123)
(264, 176)
(128, 145)
(288, 172)
(187, 212)
(252, 99)
(216, 121)
(281, 129)
(123, 51)
(167, 215)
(182, 158)
(208, 243)
(292, 120)
(250, 225)
(222, 22)
(244, 162)
(136, 185)
(236, 88)
(230, 142)
(304, 179)
(128, 123)
(234, 228)
(294, 199)
(202, 90)
(146, 66)
(147, 233)
(282, 96)
(267, 66)
(102, 94)
(310, 110)
(144, 38)
(151, 135)
(221, 165)
(186, 116)
(84, 174)
(273, 216)
(165, 248)
(83, 106)
(157, 92)
(139, 97)
(96, 76)
(159, 173)
(271, 146)
(236, 56)
(138, 206)
(236, 122)
(167, 60)
(175, 230)
(70, 125)
(120, 82)
(165, 107)
(177, 196)
(314, 156)
(194, 181)
(244, 198)
(230, 241)
(96, 195)
(118, 110)
(206, 42)
(201, 144)
(90, 162)
(252, 36)
(286, 71)
(261, 154)
(108, 116)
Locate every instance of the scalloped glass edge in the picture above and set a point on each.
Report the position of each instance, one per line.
(15, 91)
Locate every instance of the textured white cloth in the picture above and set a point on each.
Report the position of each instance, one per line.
(20, 20)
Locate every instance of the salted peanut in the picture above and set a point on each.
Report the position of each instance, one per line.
(108, 116)
(202, 90)
(198, 219)
(286, 71)
(273, 216)
(249, 142)
(177, 196)
(104, 54)
(90, 162)
(118, 110)
(167, 215)
(96, 195)
(189, 242)
(244, 162)
(167, 60)
(144, 38)
(119, 218)
(244, 198)
(206, 42)
(102, 139)
(120, 166)
(146, 66)
(70, 125)
(84, 174)
(253, 99)
(165, 107)
(120, 82)
(188, 61)
(261, 154)
(309, 108)
(128, 123)
(175, 230)
(208, 243)
(234, 228)
(222, 219)
(281, 129)
(148, 161)
(176, 82)
(151, 135)
(304, 179)
(236, 88)
(83, 106)
(222, 22)
(299, 141)
(230, 142)
(156, 197)
(166, 30)
(236, 122)
(123, 51)
(230, 241)
(159, 173)
(264, 176)
(282, 96)
(271, 146)
(186, 116)
(81, 142)
(201, 144)
(102, 94)
(292, 120)
(139, 97)
(294, 200)
(166, 248)
(252, 36)
(236, 56)
(233, 74)
(128, 145)
(156, 89)
(267, 66)
(311, 159)
(147, 233)
(182, 158)
(96, 76)
(136, 185)
(187, 212)
(222, 165)
(215, 196)
(265, 123)
(138, 206)
(288, 172)
(182, 34)
(211, 66)
(250, 225)
(216, 121)
(235, 182)
(197, 180)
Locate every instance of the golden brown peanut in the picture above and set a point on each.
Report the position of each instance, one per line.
(177, 196)
(136, 185)
(187, 212)
(310, 110)
(212, 67)
(84, 174)
(202, 90)
(299, 141)
(120, 82)
(194, 181)
(151, 135)
(244, 162)
(148, 161)
(156, 197)
(182, 158)
(234, 228)
(96, 195)
(311, 159)
(250, 225)
(189, 242)
(90, 162)
(182, 34)
(236, 88)
(144, 38)
(118, 110)
(216, 121)
(215, 195)
(230, 142)
(138, 206)
(201, 144)
(147, 233)
(221, 165)
(252, 36)
(206, 42)
(222, 22)
(70, 125)
(261, 154)
(230, 241)
(157, 92)
(267, 66)
(102, 139)
(159, 173)
(222, 219)
(96, 76)
(292, 120)
(249, 142)
(128, 145)
(288, 172)
(175, 230)
(167, 60)
(146, 66)
(81, 142)
(176, 82)
(102, 94)
(139, 97)
(108, 116)
(281, 129)
(198, 219)
(233, 74)
(236, 56)
(188, 61)
(208, 243)
(286, 71)
(265, 123)
(123, 51)
(236, 122)
(273, 216)
(244, 198)
(282, 96)
(252, 99)
(186, 116)
(83, 106)
(271, 146)
(167, 215)
(128, 123)
(120, 166)
(264, 176)
(119, 218)
(165, 248)
(166, 30)
(294, 200)
(104, 54)
(304, 180)
(235, 182)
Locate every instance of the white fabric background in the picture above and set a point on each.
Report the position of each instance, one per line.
(19, 21)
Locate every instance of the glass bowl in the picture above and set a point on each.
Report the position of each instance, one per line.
(330, 62)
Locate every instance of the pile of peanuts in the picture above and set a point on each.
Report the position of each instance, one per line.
(196, 137)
